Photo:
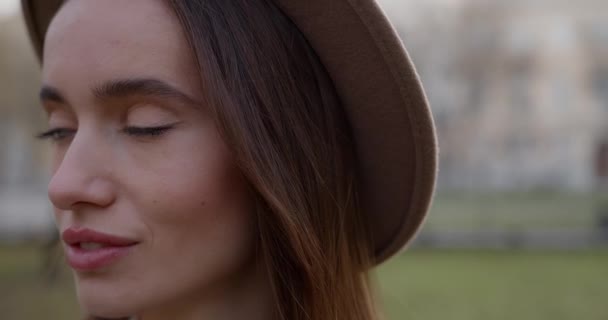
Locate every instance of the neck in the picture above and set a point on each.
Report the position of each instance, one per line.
(249, 296)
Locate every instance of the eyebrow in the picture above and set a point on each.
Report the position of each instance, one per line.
(123, 88)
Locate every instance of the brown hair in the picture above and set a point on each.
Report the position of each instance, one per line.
(278, 111)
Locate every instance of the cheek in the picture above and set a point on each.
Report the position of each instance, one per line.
(184, 176)
(195, 192)
(205, 235)
(200, 219)
(194, 195)
(212, 207)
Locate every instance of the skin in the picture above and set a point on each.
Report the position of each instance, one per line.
(177, 191)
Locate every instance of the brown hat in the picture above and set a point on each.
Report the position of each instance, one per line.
(383, 98)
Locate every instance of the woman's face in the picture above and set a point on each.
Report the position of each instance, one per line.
(137, 156)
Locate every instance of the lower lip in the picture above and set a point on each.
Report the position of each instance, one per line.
(90, 260)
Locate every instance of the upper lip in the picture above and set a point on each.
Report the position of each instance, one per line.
(74, 236)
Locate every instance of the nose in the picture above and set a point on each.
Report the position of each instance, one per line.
(81, 177)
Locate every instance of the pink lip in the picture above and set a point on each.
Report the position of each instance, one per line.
(113, 248)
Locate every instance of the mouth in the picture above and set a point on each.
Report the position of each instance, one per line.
(89, 250)
(89, 246)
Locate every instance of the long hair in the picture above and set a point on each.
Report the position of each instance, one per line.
(280, 114)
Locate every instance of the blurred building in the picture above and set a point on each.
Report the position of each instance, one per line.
(20, 115)
(519, 90)
(24, 208)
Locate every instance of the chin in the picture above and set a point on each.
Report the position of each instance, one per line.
(104, 300)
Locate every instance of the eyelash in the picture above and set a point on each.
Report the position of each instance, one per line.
(147, 131)
(58, 134)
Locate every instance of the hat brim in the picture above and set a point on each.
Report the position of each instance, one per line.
(382, 95)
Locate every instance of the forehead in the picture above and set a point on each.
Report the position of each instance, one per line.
(116, 38)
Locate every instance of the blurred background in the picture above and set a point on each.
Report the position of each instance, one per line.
(519, 227)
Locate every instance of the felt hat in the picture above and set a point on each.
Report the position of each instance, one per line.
(383, 98)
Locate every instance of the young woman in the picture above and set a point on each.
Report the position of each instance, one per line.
(230, 159)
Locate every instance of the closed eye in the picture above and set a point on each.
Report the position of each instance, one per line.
(56, 134)
(147, 131)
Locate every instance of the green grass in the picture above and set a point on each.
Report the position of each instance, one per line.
(25, 294)
(425, 285)
(539, 210)
(476, 285)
